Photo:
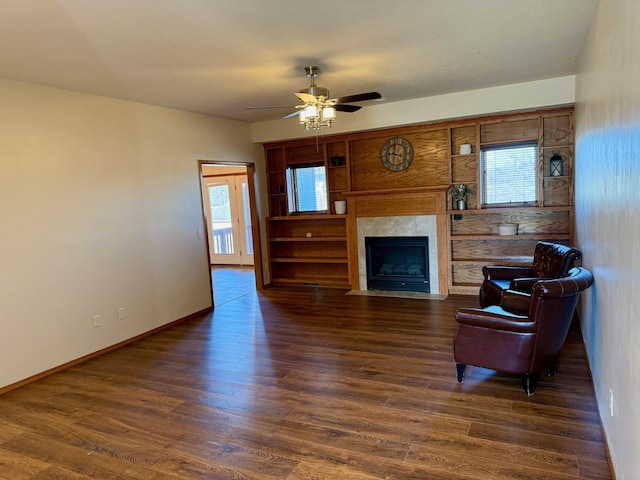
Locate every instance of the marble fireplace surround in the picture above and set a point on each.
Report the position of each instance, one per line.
(400, 213)
(398, 226)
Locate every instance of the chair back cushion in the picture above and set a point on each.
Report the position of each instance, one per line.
(552, 260)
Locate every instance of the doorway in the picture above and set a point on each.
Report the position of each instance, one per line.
(230, 219)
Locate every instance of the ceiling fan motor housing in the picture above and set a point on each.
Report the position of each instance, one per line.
(316, 91)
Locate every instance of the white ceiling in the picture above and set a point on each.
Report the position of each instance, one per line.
(219, 56)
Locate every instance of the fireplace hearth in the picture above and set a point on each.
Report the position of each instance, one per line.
(398, 263)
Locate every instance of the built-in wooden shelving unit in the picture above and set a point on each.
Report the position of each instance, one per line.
(309, 249)
(328, 256)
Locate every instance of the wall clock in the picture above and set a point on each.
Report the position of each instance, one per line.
(396, 154)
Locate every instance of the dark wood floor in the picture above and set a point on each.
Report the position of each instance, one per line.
(302, 384)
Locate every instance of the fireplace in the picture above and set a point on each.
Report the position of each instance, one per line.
(398, 263)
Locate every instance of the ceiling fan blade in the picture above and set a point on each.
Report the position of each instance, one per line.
(292, 114)
(361, 97)
(347, 108)
(306, 98)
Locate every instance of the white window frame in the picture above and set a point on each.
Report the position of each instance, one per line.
(292, 189)
(534, 173)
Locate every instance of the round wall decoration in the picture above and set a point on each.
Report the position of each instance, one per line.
(396, 154)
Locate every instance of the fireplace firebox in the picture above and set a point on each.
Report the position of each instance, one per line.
(398, 263)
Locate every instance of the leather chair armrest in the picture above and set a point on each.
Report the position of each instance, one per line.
(577, 280)
(500, 272)
(495, 318)
(524, 284)
(516, 302)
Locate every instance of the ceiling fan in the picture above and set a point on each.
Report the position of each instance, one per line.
(317, 109)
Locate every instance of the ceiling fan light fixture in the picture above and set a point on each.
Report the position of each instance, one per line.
(311, 112)
(328, 114)
(317, 110)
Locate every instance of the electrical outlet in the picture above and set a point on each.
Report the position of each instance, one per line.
(122, 314)
(198, 233)
(611, 411)
(96, 321)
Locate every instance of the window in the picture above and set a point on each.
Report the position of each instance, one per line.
(510, 174)
(307, 188)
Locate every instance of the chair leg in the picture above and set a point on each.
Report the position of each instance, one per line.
(529, 382)
(460, 368)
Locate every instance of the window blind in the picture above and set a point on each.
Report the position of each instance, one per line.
(510, 174)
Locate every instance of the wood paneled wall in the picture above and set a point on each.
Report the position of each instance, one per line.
(430, 166)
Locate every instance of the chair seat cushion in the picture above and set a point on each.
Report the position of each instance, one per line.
(496, 318)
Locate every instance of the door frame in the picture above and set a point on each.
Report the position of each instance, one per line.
(255, 223)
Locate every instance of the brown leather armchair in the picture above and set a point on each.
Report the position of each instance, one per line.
(523, 335)
(550, 260)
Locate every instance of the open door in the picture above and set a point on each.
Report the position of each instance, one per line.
(229, 226)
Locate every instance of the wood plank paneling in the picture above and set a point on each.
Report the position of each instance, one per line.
(430, 165)
(535, 221)
(557, 131)
(464, 169)
(556, 191)
(397, 204)
(301, 154)
(497, 249)
(510, 131)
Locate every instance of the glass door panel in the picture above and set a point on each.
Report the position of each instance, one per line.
(229, 220)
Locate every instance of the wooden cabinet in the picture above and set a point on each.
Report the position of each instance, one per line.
(309, 249)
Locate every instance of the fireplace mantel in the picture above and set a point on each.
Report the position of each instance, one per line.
(395, 191)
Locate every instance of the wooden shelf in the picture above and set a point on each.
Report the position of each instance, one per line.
(521, 236)
(305, 217)
(302, 281)
(502, 260)
(322, 258)
(493, 211)
(308, 239)
(308, 260)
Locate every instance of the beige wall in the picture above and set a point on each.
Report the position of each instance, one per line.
(505, 98)
(99, 209)
(607, 214)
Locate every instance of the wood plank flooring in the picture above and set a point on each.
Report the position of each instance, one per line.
(303, 384)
